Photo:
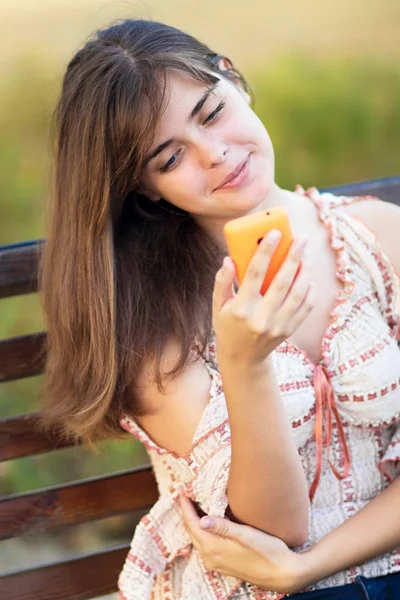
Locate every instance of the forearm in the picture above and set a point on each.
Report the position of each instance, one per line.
(373, 531)
(267, 487)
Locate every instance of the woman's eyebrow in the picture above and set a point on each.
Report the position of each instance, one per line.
(192, 115)
(201, 102)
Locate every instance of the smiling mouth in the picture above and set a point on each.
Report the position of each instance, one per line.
(234, 178)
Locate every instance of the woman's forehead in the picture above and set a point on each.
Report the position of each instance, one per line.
(183, 92)
(181, 88)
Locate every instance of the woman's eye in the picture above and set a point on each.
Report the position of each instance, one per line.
(214, 113)
(170, 163)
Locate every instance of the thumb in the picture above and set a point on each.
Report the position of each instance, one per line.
(225, 528)
(223, 287)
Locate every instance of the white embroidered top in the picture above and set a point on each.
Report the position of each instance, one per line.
(356, 386)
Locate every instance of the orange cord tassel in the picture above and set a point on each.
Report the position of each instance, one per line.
(326, 407)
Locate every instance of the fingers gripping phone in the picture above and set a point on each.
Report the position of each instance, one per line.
(245, 233)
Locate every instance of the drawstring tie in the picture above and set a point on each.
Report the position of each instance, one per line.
(326, 407)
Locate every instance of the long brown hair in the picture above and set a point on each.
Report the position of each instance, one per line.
(120, 275)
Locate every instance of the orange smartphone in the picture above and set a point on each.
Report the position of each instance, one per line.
(245, 233)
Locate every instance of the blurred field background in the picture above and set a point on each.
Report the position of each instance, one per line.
(326, 79)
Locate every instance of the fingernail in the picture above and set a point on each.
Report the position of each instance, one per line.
(274, 236)
(206, 523)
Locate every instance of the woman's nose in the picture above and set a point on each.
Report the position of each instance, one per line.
(213, 154)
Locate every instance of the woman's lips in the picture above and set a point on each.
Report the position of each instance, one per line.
(239, 179)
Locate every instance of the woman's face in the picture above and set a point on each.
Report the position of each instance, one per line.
(204, 138)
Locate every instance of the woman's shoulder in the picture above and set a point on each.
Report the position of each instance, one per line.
(171, 417)
(379, 220)
(383, 221)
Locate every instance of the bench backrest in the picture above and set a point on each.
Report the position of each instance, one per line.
(95, 574)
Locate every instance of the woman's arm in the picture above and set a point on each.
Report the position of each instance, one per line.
(264, 560)
(267, 487)
(373, 531)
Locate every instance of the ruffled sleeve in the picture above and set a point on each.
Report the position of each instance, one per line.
(159, 539)
(202, 473)
(380, 266)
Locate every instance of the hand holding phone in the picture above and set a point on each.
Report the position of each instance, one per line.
(243, 236)
(274, 295)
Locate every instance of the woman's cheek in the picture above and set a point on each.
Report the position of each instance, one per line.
(182, 186)
(190, 179)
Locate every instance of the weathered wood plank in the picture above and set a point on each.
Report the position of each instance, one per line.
(18, 268)
(22, 356)
(80, 578)
(21, 436)
(80, 502)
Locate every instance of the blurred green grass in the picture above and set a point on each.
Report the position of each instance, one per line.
(331, 122)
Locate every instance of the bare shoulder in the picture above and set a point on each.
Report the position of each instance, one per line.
(383, 218)
(171, 418)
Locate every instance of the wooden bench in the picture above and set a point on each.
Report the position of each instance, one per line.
(88, 575)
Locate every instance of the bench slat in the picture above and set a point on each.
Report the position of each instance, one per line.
(22, 356)
(80, 578)
(20, 436)
(386, 189)
(80, 502)
(18, 268)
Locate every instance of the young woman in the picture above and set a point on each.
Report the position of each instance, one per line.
(250, 405)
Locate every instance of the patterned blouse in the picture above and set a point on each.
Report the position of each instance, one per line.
(345, 415)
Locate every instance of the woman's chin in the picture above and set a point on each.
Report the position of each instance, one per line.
(252, 202)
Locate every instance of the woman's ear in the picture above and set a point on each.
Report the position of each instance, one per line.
(148, 193)
(224, 64)
(153, 197)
